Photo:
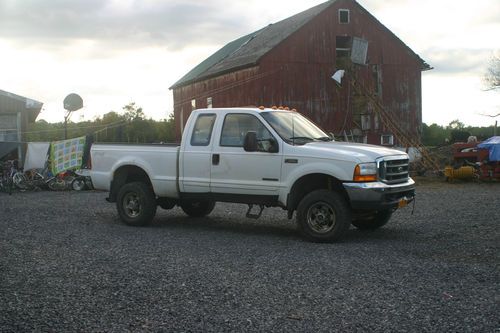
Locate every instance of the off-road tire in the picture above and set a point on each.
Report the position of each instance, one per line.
(323, 216)
(197, 208)
(136, 204)
(376, 221)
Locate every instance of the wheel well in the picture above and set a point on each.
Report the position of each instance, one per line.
(124, 175)
(312, 182)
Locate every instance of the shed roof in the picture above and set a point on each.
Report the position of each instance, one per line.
(248, 50)
(24, 104)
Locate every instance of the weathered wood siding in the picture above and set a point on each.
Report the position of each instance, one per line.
(297, 73)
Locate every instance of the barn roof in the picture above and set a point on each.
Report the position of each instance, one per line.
(248, 50)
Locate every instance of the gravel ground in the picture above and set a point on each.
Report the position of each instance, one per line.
(67, 264)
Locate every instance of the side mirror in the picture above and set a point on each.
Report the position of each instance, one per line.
(250, 143)
(274, 148)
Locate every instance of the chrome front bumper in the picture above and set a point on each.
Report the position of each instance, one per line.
(380, 196)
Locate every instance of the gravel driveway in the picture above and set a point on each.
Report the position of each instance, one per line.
(67, 264)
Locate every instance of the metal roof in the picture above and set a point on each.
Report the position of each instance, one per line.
(24, 104)
(248, 50)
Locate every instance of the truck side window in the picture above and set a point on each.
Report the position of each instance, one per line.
(237, 125)
(203, 130)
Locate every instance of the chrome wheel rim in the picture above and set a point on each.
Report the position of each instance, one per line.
(131, 205)
(321, 217)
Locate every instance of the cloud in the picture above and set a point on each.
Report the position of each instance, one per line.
(457, 61)
(119, 24)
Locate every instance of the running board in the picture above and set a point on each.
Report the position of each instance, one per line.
(249, 214)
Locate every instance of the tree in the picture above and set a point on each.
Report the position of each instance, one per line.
(456, 125)
(458, 132)
(133, 112)
(166, 129)
(492, 77)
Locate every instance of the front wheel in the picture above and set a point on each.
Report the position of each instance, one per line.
(20, 181)
(373, 222)
(136, 204)
(56, 184)
(78, 184)
(323, 216)
(198, 208)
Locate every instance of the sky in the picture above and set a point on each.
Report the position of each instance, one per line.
(114, 52)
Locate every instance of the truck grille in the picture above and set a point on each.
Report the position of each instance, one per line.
(394, 170)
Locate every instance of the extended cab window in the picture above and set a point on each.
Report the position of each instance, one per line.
(203, 130)
(236, 126)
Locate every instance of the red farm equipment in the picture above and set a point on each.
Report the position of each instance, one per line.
(475, 160)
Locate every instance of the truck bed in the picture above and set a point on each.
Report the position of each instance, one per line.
(158, 160)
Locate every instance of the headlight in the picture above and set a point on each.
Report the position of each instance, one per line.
(365, 172)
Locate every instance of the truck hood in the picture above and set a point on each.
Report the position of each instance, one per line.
(357, 152)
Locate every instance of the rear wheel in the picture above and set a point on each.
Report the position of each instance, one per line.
(323, 216)
(198, 208)
(376, 221)
(136, 204)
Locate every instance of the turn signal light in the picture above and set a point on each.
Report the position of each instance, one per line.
(365, 172)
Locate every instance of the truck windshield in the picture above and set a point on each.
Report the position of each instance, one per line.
(294, 128)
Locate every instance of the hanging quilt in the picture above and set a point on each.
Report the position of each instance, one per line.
(66, 154)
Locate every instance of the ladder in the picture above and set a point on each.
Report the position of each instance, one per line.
(428, 161)
(346, 136)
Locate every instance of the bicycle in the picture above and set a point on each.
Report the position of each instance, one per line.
(30, 180)
(8, 171)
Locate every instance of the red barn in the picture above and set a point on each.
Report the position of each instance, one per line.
(291, 63)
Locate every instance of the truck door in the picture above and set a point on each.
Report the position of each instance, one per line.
(196, 159)
(235, 171)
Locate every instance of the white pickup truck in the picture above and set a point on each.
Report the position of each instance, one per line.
(262, 158)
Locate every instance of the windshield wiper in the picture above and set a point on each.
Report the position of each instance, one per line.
(324, 138)
(301, 138)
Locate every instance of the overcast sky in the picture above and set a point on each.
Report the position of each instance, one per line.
(112, 52)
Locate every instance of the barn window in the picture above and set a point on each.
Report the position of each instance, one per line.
(344, 17)
(343, 46)
(387, 140)
(209, 102)
(343, 50)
